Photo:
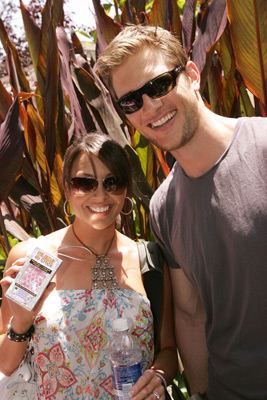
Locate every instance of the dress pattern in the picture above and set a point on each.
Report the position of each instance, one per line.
(71, 339)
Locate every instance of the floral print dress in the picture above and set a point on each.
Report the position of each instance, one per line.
(71, 339)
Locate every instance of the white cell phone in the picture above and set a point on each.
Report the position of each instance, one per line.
(33, 278)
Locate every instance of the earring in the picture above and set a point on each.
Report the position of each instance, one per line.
(132, 206)
(65, 209)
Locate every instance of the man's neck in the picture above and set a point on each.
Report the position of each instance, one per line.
(207, 146)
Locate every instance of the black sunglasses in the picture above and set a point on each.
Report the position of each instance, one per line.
(155, 88)
(83, 185)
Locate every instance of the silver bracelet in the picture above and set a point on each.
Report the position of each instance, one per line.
(162, 378)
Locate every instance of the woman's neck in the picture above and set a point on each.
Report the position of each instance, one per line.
(98, 241)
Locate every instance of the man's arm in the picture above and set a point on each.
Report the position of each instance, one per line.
(190, 331)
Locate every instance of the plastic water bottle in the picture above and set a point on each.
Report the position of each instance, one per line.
(125, 358)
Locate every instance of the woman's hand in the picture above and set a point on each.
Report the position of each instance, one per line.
(22, 318)
(149, 386)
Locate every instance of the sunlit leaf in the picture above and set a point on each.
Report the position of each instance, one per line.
(161, 160)
(248, 30)
(78, 48)
(13, 227)
(51, 98)
(67, 53)
(52, 15)
(5, 101)
(107, 28)
(128, 15)
(35, 137)
(166, 14)
(246, 103)
(7, 43)
(33, 35)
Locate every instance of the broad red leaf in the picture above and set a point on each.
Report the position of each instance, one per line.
(107, 28)
(11, 225)
(51, 98)
(8, 44)
(138, 5)
(212, 26)
(248, 28)
(28, 198)
(11, 150)
(67, 53)
(77, 45)
(52, 14)
(33, 35)
(5, 102)
(166, 14)
(189, 25)
(128, 15)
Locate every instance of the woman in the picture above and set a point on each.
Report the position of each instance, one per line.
(73, 320)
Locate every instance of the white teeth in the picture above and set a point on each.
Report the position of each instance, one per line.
(99, 209)
(163, 120)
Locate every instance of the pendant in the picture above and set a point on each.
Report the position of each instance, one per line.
(103, 275)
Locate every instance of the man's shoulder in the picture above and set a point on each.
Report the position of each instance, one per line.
(163, 191)
(252, 123)
(251, 132)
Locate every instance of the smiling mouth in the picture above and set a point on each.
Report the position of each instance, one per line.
(99, 209)
(163, 120)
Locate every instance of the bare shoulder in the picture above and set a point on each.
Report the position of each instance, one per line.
(128, 250)
(54, 240)
(125, 242)
(18, 251)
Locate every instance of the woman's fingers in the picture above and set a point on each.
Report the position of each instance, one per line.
(11, 273)
(20, 313)
(148, 383)
(9, 276)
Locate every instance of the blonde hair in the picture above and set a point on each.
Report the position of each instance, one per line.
(134, 38)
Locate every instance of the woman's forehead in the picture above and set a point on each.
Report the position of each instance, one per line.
(89, 163)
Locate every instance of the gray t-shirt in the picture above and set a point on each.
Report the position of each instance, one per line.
(215, 228)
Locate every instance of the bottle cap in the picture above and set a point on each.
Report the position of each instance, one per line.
(120, 324)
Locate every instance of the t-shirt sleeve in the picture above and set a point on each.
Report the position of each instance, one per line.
(159, 236)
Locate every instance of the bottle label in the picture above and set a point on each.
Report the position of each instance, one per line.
(124, 377)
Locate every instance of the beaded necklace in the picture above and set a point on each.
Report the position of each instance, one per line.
(103, 273)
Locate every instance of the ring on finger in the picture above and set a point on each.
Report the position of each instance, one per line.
(156, 395)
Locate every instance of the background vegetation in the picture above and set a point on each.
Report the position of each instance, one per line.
(227, 39)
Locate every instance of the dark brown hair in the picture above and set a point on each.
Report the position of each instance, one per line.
(106, 150)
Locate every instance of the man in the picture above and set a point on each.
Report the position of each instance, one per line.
(209, 215)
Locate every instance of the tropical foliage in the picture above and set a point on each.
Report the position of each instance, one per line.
(227, 41)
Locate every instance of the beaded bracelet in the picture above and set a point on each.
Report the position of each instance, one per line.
(162, 378)
(19, 337)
